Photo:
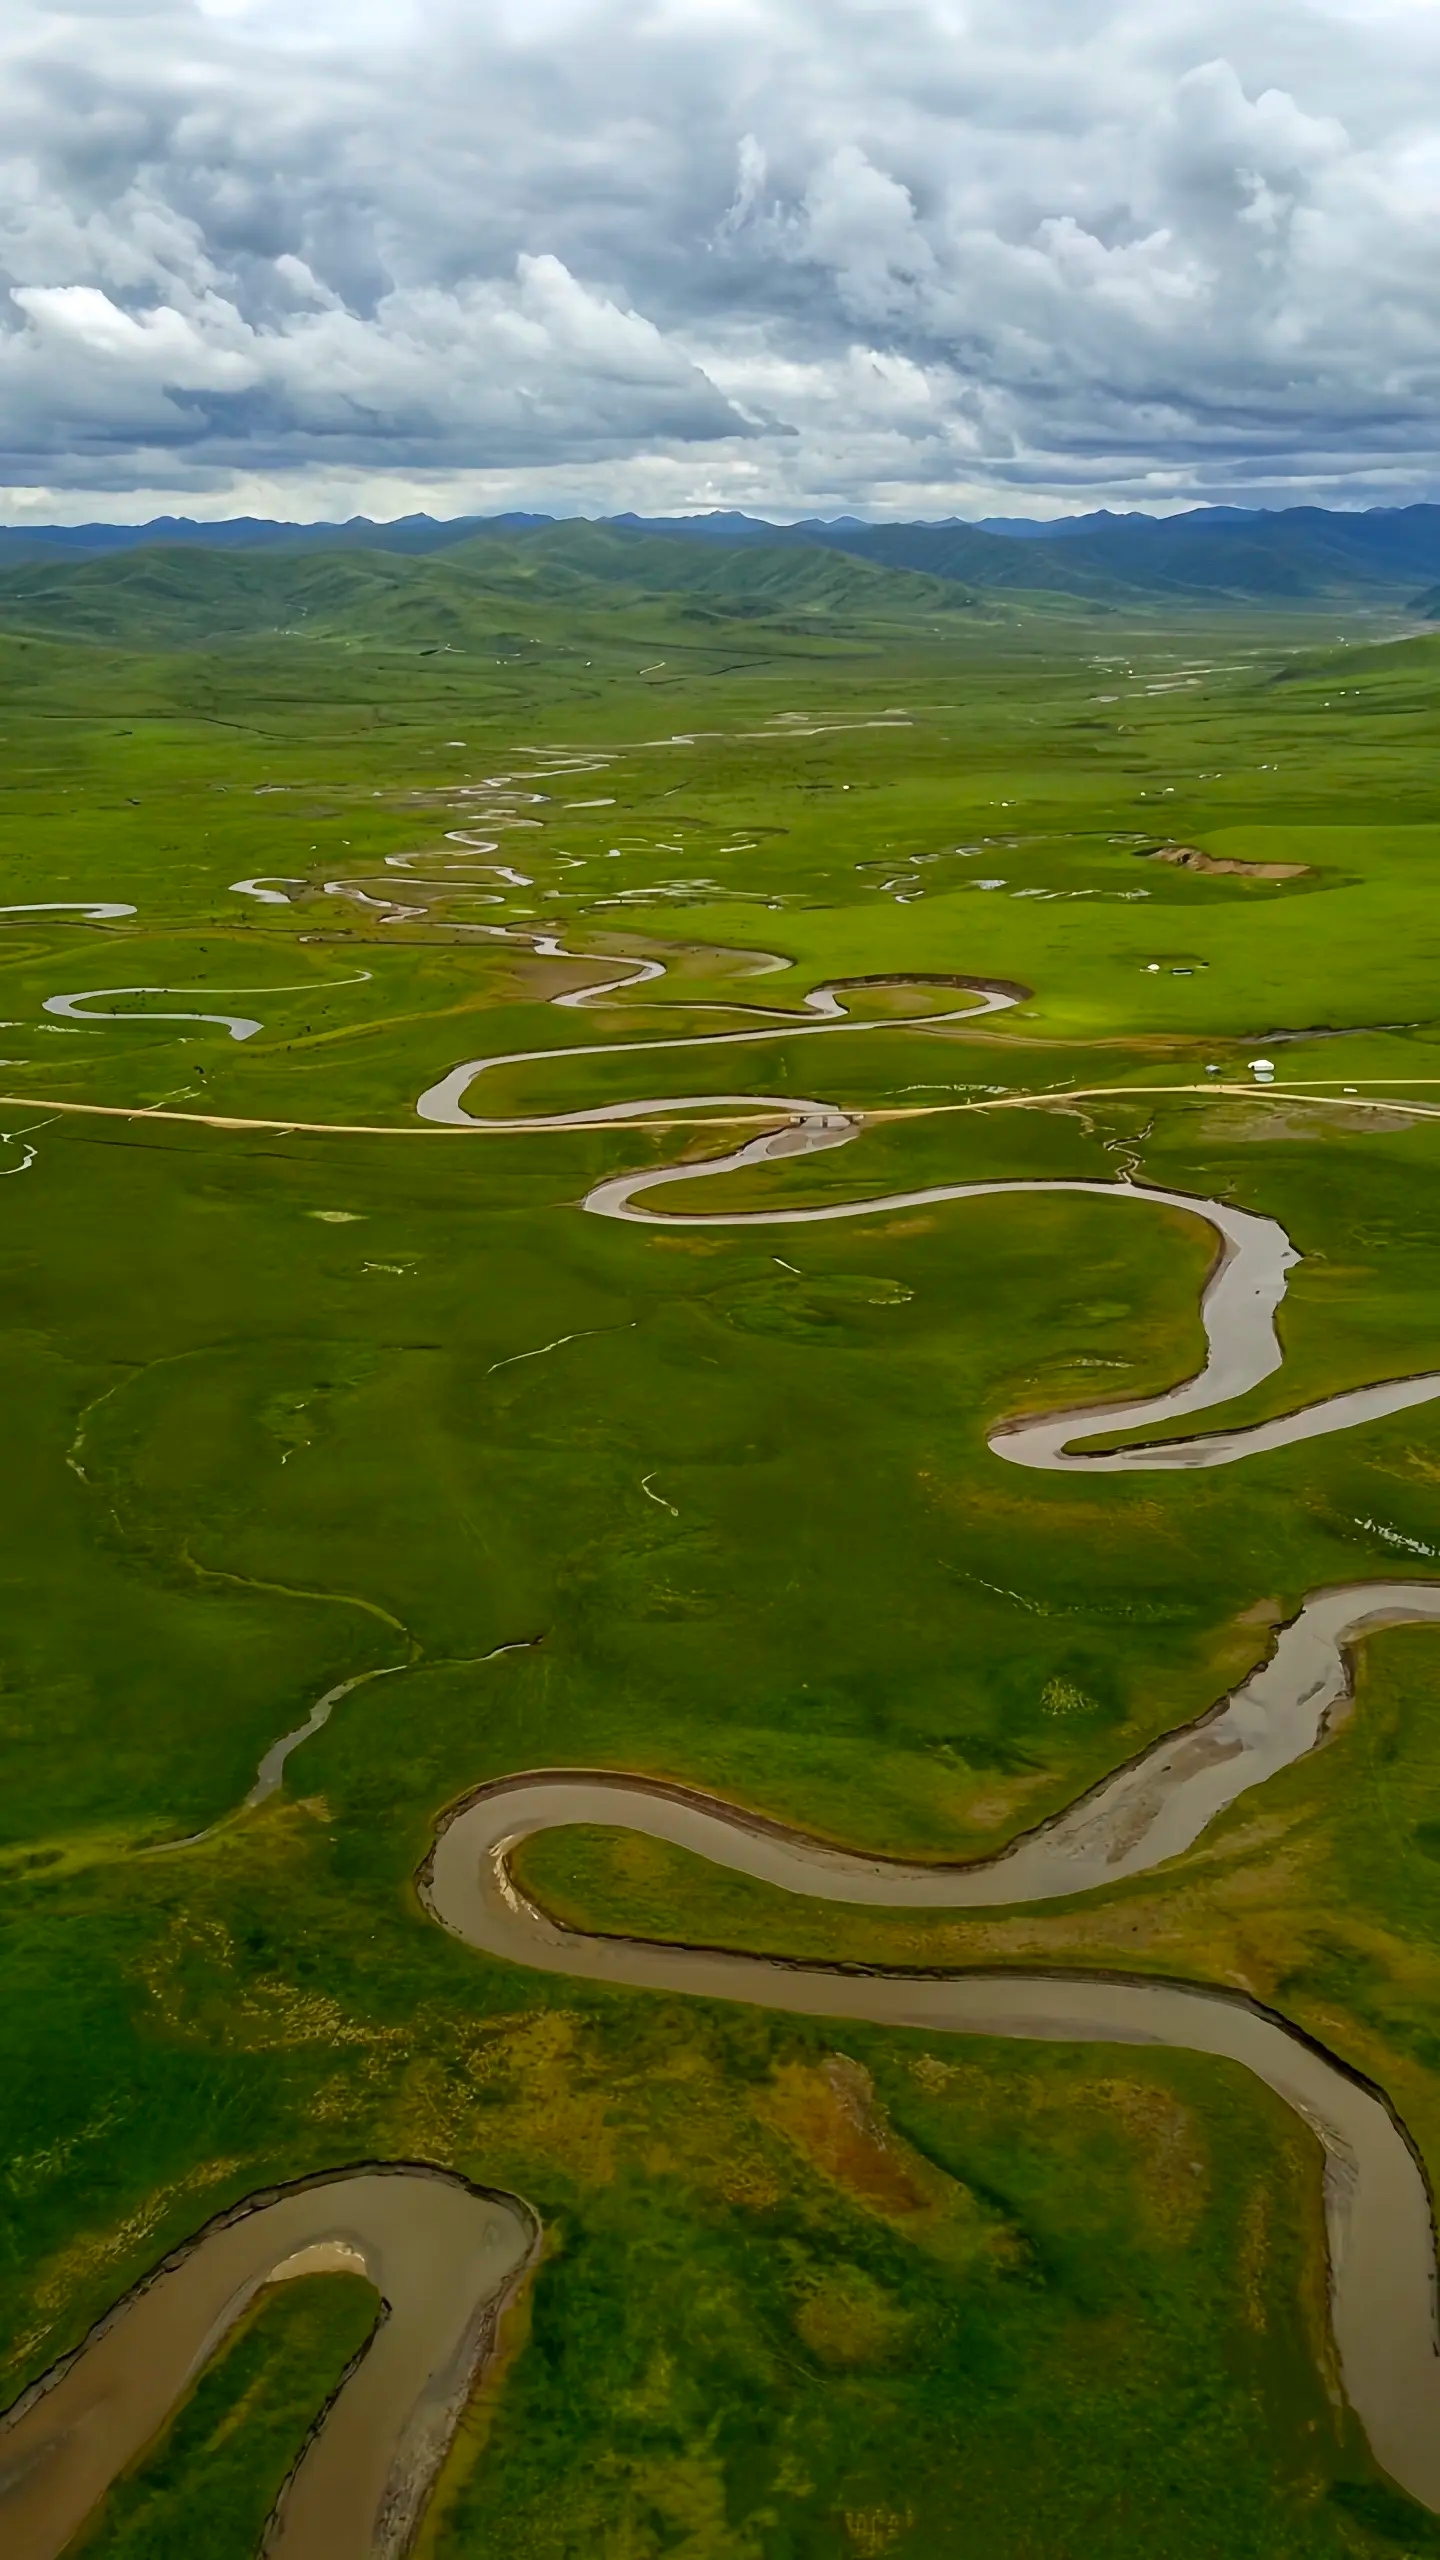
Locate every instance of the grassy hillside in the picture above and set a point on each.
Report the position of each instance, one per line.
(481, 592)
(1305, 554)
(501, 585)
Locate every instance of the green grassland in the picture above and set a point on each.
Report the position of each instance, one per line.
(212, 2478)
(276, 1418)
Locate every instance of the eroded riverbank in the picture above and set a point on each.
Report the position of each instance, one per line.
(443, 2258)
(1378, 2215)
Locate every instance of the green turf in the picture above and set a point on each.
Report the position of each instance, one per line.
(210, 2482)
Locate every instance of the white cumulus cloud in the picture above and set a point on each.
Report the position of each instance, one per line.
(790, 254)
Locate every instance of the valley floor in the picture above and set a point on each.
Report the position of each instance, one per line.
(359, 1466)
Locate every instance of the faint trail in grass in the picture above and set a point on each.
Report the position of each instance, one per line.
(291, 1591)
(139, 1370)
(587, 1333)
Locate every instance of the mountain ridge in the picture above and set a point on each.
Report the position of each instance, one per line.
(428, 581)
(479, 594)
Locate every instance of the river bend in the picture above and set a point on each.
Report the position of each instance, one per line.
(443, 2256)
(1377, 2206)
(1238, 1309)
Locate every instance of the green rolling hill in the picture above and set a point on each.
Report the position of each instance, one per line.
(483, 593)
(1304, 555)
(500, 585)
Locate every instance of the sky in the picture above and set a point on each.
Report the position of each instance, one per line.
(891, 258)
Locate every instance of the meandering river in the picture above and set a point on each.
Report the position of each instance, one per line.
(1377, 2204)
(1238, 1309)
(1383, 2266)
(444, 2257)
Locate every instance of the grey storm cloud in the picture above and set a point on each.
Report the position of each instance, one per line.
(790, 253)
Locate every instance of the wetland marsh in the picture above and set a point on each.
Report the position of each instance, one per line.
(388, 1472)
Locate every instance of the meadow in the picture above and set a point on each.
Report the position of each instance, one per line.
(301, 1390)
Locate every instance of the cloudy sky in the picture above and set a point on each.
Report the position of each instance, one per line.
(894, 257)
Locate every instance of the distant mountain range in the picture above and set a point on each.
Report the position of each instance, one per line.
(421, 581)
(1297, 555)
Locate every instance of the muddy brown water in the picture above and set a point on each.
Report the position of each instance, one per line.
(1238, 1309)
(443, 2258)
(1153, 1809)
(1377, 2205)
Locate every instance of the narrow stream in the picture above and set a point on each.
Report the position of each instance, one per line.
(241, 1026)
(1238, 1309)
